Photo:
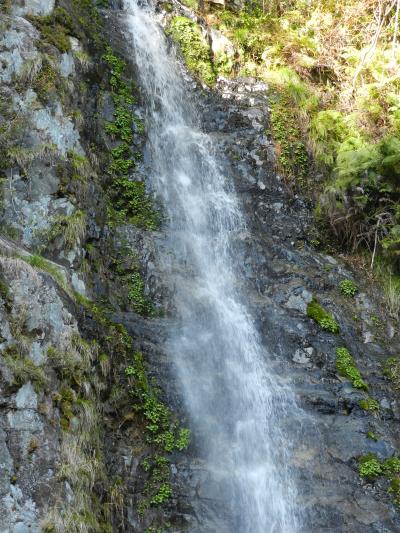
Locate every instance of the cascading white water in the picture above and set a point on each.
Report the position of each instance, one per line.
(236, 403)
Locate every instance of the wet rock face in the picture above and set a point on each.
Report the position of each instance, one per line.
(279, 275)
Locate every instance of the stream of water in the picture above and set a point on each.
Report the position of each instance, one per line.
(236, 403)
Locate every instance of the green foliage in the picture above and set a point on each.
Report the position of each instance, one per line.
(249, 30)
(346, 367)
(162, 429)
(140, 302)
(194, 47)
(132, 204)
(291, 151)
(164, 492)
(348, 288)
(328, 130)
(322, 317)
(369, 404)
(369, 467)
(129, 200)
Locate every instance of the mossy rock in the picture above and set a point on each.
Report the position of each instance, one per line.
(322, 317)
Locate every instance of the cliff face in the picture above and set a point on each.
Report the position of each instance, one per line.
(73, 430)
(79, 256)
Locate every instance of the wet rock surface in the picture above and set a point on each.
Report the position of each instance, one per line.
(279, 275)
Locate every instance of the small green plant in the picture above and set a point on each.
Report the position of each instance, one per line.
(164, 492)
(348, 288)
(346, 367)
(369, 467)
(322, 317)
(140, 302)
(161, 427)
(391, 370)
(371, 435)
(369, 404)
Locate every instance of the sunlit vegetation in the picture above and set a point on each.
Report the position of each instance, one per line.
(335, 65)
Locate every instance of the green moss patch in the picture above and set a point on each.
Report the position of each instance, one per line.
(346, 367)
(194, 47)
(322, 317)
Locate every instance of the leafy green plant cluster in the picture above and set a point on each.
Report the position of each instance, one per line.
(161, 426)
(140, 302)
(129, 199)
(322, 317)
(157, 488)
(348, 288)
(194, 47)
(369, 404)
(346, 367)
(248, 29)
(362, 202)
(371, 468)
(162, 429)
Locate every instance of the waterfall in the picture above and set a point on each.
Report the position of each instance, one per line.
(238, 407)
